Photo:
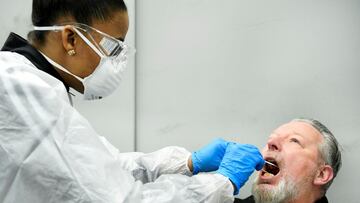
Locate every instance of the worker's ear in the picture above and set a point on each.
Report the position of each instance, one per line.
(68, 36)
(324, 175)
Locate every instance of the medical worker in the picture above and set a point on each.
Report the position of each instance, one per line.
(50, 153)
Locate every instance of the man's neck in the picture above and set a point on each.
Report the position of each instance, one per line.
(309, 197)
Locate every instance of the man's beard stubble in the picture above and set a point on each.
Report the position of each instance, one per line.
(283, 192)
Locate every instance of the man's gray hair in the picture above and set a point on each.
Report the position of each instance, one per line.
(329, 149)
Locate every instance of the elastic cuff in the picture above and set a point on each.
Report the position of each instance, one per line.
(236, 189)
(196, 169)
(188, 171)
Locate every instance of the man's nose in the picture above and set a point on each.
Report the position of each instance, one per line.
(274, 144)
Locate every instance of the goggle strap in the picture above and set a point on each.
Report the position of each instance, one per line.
(58, 28)
(49, 28)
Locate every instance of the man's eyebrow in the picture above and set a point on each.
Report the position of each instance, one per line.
(296, 133)
(293, 132)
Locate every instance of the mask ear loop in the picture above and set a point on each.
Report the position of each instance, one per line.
(87, 41)
(61, 67)
(94, 41)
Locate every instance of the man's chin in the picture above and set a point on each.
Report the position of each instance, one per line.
(266, 186)
(273, 192)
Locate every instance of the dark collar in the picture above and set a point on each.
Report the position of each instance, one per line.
(17, 44)
(250, 199)
(322, 200)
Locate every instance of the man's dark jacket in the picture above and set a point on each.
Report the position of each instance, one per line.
(251, 200)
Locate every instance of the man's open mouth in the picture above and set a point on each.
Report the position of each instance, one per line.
(270, 168)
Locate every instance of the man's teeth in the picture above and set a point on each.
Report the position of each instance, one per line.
(266, 174)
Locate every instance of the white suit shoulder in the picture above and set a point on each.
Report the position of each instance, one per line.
(16, 69)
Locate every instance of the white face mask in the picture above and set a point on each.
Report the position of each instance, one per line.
(104, 80)
(107, 76)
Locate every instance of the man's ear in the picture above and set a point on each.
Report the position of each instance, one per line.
(68, 36)
(324, 175)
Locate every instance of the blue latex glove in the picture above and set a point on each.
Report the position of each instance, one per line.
(209, 157)
(239, 162)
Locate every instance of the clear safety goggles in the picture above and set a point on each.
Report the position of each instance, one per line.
(108, 45)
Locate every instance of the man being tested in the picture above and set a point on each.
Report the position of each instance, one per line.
(307, 159)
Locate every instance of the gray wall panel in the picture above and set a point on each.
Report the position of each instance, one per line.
(238, 69)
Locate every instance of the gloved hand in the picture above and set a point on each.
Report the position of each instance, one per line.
(239, 162)
(209, 157)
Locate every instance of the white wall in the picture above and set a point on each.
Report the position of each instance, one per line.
(15, 16)
(234, 69)
(239, 68)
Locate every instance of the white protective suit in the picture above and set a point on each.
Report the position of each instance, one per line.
(50, 153)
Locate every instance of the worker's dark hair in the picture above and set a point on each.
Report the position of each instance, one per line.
(48, 12)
